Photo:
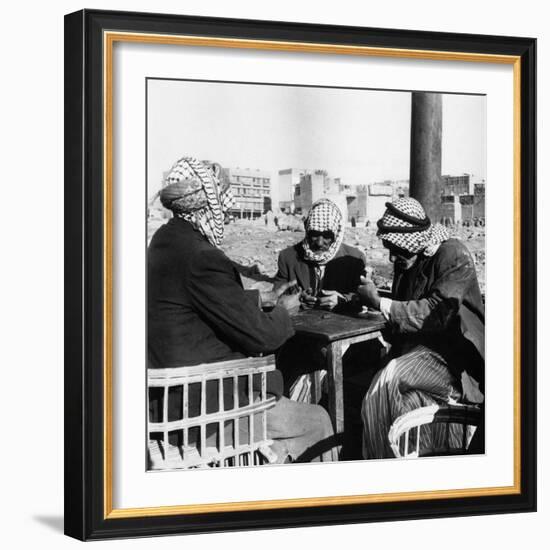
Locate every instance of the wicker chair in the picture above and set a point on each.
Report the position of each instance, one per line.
(187, 430)
(405, 433)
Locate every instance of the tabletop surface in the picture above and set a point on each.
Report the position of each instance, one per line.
(330, 326)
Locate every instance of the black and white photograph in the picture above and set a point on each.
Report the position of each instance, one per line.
(300, 276)
(315, 274)
(275, 274)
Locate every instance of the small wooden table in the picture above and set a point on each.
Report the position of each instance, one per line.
(337, 332)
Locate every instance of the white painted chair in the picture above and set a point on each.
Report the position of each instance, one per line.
(405, 433)
(187, 430)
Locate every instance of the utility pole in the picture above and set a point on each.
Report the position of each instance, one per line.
(425, 174)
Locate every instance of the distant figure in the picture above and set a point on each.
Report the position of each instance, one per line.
(276, 222)
(269, 221)
(352, 221)
(367, 223)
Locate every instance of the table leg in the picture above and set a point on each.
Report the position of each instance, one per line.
(336, 386)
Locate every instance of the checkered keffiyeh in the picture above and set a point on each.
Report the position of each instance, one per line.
(406, 225)
(193, 192)
(324, 215)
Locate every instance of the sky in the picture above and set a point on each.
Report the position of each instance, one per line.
(361, 136)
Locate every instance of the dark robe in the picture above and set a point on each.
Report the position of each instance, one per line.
(198, 311)
(438, 303)
(342, 273)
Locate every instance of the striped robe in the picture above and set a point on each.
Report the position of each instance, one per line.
(416, 379)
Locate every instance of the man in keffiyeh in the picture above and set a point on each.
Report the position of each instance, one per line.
(193, 192)
(198, 311)
(327, 272)
(437, 327)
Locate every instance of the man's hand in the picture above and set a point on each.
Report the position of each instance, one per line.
(308, 299)
(270, 297)
(368, 293)
(328, 299)
(291, 302)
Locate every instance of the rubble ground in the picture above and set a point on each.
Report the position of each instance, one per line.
(254, 247)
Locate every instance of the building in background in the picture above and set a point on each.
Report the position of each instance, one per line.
(479, 200)
(289, 179)
(368, 203)
(378, 194)
(451, 209)
(456, 185)
(317, 184)
(252, 191)
(463, 199)
(357, 207)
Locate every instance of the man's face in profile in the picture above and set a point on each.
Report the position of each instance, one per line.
(402, 259)
(320, 241)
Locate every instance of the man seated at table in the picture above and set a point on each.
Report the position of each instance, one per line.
(327, 273)
(326, 270)
(199, 313)
(436, 322)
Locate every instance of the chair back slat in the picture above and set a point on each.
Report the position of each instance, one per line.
(468, 417)
(215, 436)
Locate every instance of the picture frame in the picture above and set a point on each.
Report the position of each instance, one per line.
(90, 205)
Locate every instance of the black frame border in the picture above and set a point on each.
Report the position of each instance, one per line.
(84, 258)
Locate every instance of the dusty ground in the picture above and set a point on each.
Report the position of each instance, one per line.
(252, 246)
(255, 248)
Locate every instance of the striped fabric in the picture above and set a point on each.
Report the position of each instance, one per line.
(415, 379)
(302, 389)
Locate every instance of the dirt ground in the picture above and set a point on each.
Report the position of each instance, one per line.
(255, 247)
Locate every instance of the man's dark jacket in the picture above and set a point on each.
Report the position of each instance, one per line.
(438, 302)
(342, 273)
(198, 311)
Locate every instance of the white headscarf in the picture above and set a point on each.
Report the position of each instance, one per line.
(406, 225)
(324, 215)
(195, 194)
